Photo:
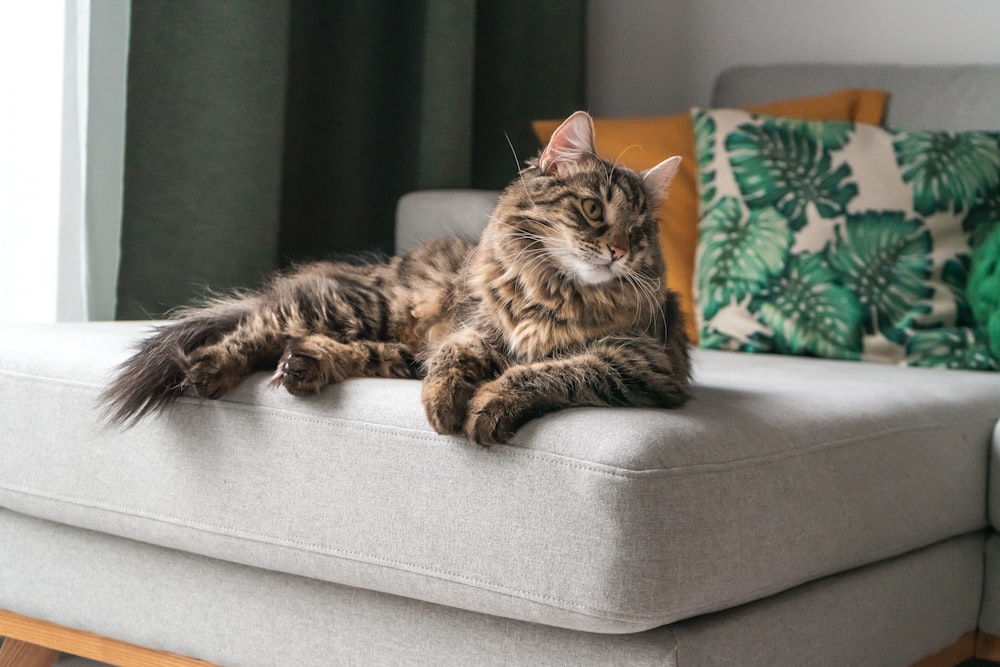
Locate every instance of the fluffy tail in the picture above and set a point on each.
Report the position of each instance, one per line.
(153, 377)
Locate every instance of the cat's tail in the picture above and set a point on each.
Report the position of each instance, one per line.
(153, 377)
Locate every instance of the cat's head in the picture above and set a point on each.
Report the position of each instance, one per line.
(591, 220)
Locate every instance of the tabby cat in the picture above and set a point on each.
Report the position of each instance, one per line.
(561, 303)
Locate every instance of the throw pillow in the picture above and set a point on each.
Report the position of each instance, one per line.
(842, 240)
(640, 143)
(984, 289)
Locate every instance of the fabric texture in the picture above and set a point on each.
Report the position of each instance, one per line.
(429, 214)
(890, 613)
(201, 192)
(842, 240)
(641, 143)
(994, 480)
(207, 608)
(779, 471)
(989, 613)
(241, 616)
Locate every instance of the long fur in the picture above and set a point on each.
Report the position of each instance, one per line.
(561, 303)
(155, 375)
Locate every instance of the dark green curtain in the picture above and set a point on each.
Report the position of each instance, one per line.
(263, 132)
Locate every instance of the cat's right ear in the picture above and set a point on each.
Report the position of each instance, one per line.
(569, 143)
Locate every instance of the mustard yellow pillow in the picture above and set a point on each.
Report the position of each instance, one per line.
(640, 143)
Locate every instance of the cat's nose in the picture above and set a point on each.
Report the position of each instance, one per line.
(616, 252)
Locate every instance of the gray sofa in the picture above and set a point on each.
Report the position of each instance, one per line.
(797, 511)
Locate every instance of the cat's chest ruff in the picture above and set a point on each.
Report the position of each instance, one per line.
(530, 340)
(533, 329)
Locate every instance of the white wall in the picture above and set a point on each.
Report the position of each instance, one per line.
(660, 56)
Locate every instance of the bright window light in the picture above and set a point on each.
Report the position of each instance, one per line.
(32, 39)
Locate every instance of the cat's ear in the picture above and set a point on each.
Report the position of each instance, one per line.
(658, 178)
(569, 143)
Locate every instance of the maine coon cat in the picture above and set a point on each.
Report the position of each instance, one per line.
(561, 303)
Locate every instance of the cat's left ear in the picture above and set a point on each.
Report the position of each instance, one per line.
(569, 143)
(658, 178)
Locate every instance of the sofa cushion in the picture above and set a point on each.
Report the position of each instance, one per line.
(781, 470)
(640, 143)
(231, 614)
(842, 240)
(203, 607)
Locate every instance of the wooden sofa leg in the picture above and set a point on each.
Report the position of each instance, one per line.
(988, 647)
(26, 636)
(954, 654)
(15, 653)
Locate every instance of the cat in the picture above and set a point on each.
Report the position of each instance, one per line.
(561, 303)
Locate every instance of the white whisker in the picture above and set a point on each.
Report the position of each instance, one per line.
(517, 165)
(618, 160)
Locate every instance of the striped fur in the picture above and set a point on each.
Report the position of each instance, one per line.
(561, 303)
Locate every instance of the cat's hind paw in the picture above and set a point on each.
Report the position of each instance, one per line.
(299, 374)
(208, 373)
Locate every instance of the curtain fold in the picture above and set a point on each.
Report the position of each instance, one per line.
(274, 131)
(204, 136)
(529, 64)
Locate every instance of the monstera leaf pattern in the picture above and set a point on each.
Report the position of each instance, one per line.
(843, 241)
(785, 165)
(704, 133)
(809, 313)
(742, 252)
(832, 136)
(948, 171)
(983, 217)
(952, 348)
(884, 258)
(955, 274)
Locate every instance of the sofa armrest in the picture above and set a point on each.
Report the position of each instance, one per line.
(428, 214)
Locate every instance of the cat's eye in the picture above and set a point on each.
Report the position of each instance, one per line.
(592, 209)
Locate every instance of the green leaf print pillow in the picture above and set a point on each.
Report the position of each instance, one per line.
(842, 240)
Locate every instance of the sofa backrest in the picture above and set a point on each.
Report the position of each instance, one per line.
(961, 97)
(428, 214)
(921, 97)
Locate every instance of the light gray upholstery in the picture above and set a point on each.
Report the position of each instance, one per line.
(994, 481)
(238, 616)
(244, 617)
(607, 520)
(431, 214)
(989, 615)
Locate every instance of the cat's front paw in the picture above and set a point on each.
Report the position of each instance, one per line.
(494, 414)
(445, 398)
